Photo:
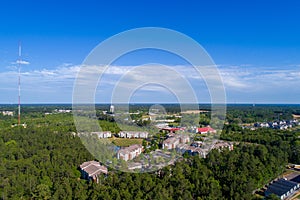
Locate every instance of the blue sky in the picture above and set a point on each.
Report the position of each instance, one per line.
(255, 44)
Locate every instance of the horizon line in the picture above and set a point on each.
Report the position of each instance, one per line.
(133, 103)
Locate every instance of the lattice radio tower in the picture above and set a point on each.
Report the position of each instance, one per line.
(19, 84)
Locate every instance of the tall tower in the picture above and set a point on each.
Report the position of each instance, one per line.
(19, 84)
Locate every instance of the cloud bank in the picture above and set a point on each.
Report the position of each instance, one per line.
(242, 83)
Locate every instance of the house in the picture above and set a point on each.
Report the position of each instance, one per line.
(62, 111)
(128, 153)
(205, 130)
(133, 134)
(282, 188)
(102, 134)
(265, 124)
(122, 134)
(91, 170)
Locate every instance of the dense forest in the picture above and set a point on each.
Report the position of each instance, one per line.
(41, 162)
(286, 140)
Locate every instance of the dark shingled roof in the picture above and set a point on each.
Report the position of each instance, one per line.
(280, 187)
(93, 168)
(296, 179)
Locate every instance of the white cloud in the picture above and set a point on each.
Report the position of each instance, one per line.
(22, 62)
(46, 85)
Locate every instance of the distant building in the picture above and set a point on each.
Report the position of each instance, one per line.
(112, 109)
(205, 130)
(62, 110)
(282, 188)
(161, 125)
(133, 134)
(129, 153)
(173, 129)
(91, 170)
(102, 134)
(7, 113)
(279, 124)
(194, 111)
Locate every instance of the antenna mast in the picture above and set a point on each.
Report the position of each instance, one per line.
(19, 84)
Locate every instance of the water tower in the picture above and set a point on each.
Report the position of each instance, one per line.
(112, 109)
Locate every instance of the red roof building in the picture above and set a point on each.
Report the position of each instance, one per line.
(205, 130)
(173, 129)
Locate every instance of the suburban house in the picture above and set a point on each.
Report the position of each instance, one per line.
(91, 170)
(282, 188)
(205, 130)
(128, 153)
(172, 142)
(133, 134)
(279, 124)
(102, 134)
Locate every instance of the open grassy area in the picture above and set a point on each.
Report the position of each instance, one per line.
(124, 142)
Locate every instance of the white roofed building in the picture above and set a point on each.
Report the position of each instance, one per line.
(133, 134)
(102, 134)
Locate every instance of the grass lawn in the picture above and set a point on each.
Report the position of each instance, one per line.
(124, 142)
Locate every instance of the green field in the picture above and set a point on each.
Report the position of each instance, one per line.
(124, 142)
